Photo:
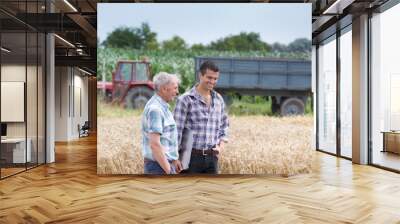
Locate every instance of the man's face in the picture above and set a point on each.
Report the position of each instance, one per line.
(209, 79)
(170, 91)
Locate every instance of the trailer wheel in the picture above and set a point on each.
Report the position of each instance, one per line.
(275, 108)
(292, 106)
(137, 97)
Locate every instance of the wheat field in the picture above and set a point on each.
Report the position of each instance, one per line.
(258, 145)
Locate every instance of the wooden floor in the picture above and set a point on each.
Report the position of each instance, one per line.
(69, 191)
(10, 171)
(387, 159)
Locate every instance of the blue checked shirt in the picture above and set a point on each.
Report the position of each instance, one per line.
(209, 125)
(157, 118)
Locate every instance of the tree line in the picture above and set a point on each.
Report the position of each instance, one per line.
(143, 38)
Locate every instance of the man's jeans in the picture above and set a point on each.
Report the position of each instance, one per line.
(203, 164)
(152, 167)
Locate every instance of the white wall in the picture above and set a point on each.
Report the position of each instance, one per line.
(62, 81)
(81, 100)
(13, 73)
(71, 102)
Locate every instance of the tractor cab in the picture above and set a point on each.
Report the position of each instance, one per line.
(132, 85)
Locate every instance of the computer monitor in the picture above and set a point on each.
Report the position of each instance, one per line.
(3, 129)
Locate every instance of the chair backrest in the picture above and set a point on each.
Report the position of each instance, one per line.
(86, 125)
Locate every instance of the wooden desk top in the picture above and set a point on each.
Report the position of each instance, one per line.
(13, 140)
(391, 132)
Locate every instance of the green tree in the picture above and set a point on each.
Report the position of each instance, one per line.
(149, 37)
(242, 42)
(300, 45)
(124, 37)
(198, 47)
(136, 38)
(278, 47)
(175, 43)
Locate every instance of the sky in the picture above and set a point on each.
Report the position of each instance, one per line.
(206, 22)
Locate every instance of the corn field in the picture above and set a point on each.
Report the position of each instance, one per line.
(258, 145)
(177, 62)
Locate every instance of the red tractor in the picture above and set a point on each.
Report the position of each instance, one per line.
(131, 84)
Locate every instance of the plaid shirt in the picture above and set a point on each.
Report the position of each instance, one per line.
(157, 118)
(208, 124)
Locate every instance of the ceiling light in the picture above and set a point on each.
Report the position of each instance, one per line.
(337, 7)
(65, 41)
(79, 51)
(70, 5)
(5, 49)
(86, 72)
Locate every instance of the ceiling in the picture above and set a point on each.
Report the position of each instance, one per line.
(75, 23)
(330, 15)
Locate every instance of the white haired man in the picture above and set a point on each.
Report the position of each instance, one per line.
(160, 137)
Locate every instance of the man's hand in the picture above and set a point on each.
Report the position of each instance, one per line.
(168, 171)
(178, 166)
(219, 148)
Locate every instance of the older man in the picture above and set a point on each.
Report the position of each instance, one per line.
(160, 137)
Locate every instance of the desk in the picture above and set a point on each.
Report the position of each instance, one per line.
(15, 148)
(391, 141)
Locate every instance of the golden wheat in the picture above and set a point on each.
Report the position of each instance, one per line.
(257, 145)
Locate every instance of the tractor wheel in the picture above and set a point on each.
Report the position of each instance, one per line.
(108, 96)
(292, 106)
(137, 97)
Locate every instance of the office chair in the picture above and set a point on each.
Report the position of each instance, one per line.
(84, 130)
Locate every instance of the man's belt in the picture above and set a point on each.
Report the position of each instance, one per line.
(146, 160)
(205, 152)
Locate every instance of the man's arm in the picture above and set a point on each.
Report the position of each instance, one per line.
(158, 152)
(155, 124)
(223, 129)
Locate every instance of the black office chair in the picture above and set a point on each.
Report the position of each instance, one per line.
(84, 130)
